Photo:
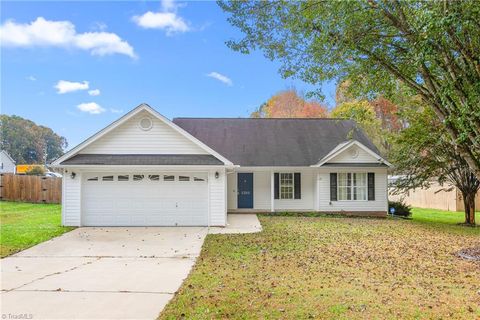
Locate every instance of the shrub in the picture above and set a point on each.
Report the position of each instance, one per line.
(401, 209)
(36, 171)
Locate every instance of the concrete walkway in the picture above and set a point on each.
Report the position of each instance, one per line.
(239, 223)
(105, 273)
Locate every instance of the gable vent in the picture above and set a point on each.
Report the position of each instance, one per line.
(146, 123)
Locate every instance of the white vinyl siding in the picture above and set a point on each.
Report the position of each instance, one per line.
(353, 154)
(261, 190)
(217, 196)
(71, 199)
(6, 164)
(232, 191)
(379, 204)
(129, 138)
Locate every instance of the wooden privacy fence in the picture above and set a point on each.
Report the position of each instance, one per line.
(435, 197)
(30, 188)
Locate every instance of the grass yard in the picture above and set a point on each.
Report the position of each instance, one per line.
(336, 268)
(435, 216)
(23, 225)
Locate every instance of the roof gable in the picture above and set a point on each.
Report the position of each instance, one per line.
(130, 138)
(165, 138)
(7, 156)
(350, 152)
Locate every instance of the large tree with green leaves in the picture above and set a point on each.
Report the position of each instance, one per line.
(424, 153)
(431, 47)
(29, 143)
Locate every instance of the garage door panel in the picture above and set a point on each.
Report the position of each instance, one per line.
(144, 203)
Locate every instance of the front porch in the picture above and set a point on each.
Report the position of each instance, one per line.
(308, 189)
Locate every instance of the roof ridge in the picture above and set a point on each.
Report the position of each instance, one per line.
(241, 118)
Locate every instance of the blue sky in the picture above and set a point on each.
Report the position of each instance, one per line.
(170, 55)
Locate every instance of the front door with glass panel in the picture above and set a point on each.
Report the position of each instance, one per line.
(245, 190)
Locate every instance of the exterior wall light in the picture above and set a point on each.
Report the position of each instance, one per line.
(217, 175)
(72, 175)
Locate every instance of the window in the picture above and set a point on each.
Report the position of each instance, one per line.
(154, 177)
(168, 178)
(286, 185)
(107, 178)
(352, 186)
(92, 179)
(123, 177)
(198, 179)
(138, 177)
(183, 178)
(359, 186)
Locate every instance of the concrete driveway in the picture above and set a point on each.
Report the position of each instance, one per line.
(105, 273)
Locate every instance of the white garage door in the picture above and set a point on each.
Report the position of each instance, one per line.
(139, 199)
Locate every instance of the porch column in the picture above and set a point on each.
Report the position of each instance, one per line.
(272, 191)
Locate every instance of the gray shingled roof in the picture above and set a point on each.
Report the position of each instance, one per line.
(273, 142)
(142, 159)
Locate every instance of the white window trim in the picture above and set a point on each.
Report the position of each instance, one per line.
(351, 187)
(280, 186)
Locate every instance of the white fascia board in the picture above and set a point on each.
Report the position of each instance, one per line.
(126, 117)
(117, 168)
(270, 168)
(98, 135)
(340, 148)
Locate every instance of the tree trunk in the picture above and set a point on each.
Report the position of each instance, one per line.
(469, 201)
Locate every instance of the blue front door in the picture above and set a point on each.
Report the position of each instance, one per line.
(245, 190)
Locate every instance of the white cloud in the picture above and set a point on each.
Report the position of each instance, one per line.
(47, 33)
(113, 110)
(31, 78)
(90, 107)
(220, 77)
(94, 92)
(64, 86)
(167, 19)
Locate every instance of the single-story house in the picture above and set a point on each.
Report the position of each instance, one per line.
(146, 170)
(7, 164)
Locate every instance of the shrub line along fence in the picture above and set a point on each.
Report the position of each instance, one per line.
(34, 189)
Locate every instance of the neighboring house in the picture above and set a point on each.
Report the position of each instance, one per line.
(145, 170)
(7, 164)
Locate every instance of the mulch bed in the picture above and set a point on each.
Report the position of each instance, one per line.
(470, 253)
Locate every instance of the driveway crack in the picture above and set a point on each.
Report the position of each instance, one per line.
(97, 291)
(53, 274)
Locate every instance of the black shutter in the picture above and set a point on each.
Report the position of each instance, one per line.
(333, 186)
(297, 185)
(276, 189)
(371, 186)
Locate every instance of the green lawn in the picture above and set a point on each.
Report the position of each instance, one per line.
(439, 216)
(336, 268)
(23, 225)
